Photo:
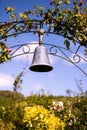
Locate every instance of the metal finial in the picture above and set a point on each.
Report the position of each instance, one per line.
(41, 33)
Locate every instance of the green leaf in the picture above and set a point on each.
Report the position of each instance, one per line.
(4, 55)
(85, 51)
(86, 9)
(21, 28)
(8, 56)
(12, 16)
(74, 41)
(8, 9)
(59, 3)
(23, 16)
(5, 58)
(67, 2)
(67, 43)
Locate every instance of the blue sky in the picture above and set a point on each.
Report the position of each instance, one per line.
(57, 81)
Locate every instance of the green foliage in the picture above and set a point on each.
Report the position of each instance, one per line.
(9, 9)
(6, 98)
(66, 22)
(4, 53)
(67, 44)
(38, 109)
(40, 100)
(73, 112)
(41, 111)
(67, 2)
(81, 105)
(18, 81)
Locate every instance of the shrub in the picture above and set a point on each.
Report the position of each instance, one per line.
(39, 118)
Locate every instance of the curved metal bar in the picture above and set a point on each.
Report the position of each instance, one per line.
(31, 31)
(19, 23)
(52, 49)
(21, 49)
(75, 57)
(21, 54)
(26, 51)
(71, 63)
(58, 51)
(40, 23)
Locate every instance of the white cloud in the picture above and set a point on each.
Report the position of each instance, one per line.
(6, 80)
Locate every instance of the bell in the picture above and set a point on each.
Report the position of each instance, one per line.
(40, 61)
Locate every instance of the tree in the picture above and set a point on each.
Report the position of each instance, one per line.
(68, 92)
(71, 23)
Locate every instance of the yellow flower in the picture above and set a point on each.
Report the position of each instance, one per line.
(40, 118)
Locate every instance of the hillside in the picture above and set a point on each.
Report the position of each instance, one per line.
(6, 97)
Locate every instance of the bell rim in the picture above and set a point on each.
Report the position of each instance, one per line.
(41, 68)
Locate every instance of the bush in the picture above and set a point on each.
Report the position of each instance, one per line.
(39, 118)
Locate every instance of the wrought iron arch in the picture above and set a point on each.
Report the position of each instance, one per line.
(53, 49)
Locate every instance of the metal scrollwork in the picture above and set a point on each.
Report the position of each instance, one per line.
(61, 52)
(26, 49)
(20, 50)
(76, 59)
(34, 26)
(52, 49)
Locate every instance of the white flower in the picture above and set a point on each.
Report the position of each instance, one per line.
(60, 104)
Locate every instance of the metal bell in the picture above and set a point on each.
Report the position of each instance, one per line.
(40, 61)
